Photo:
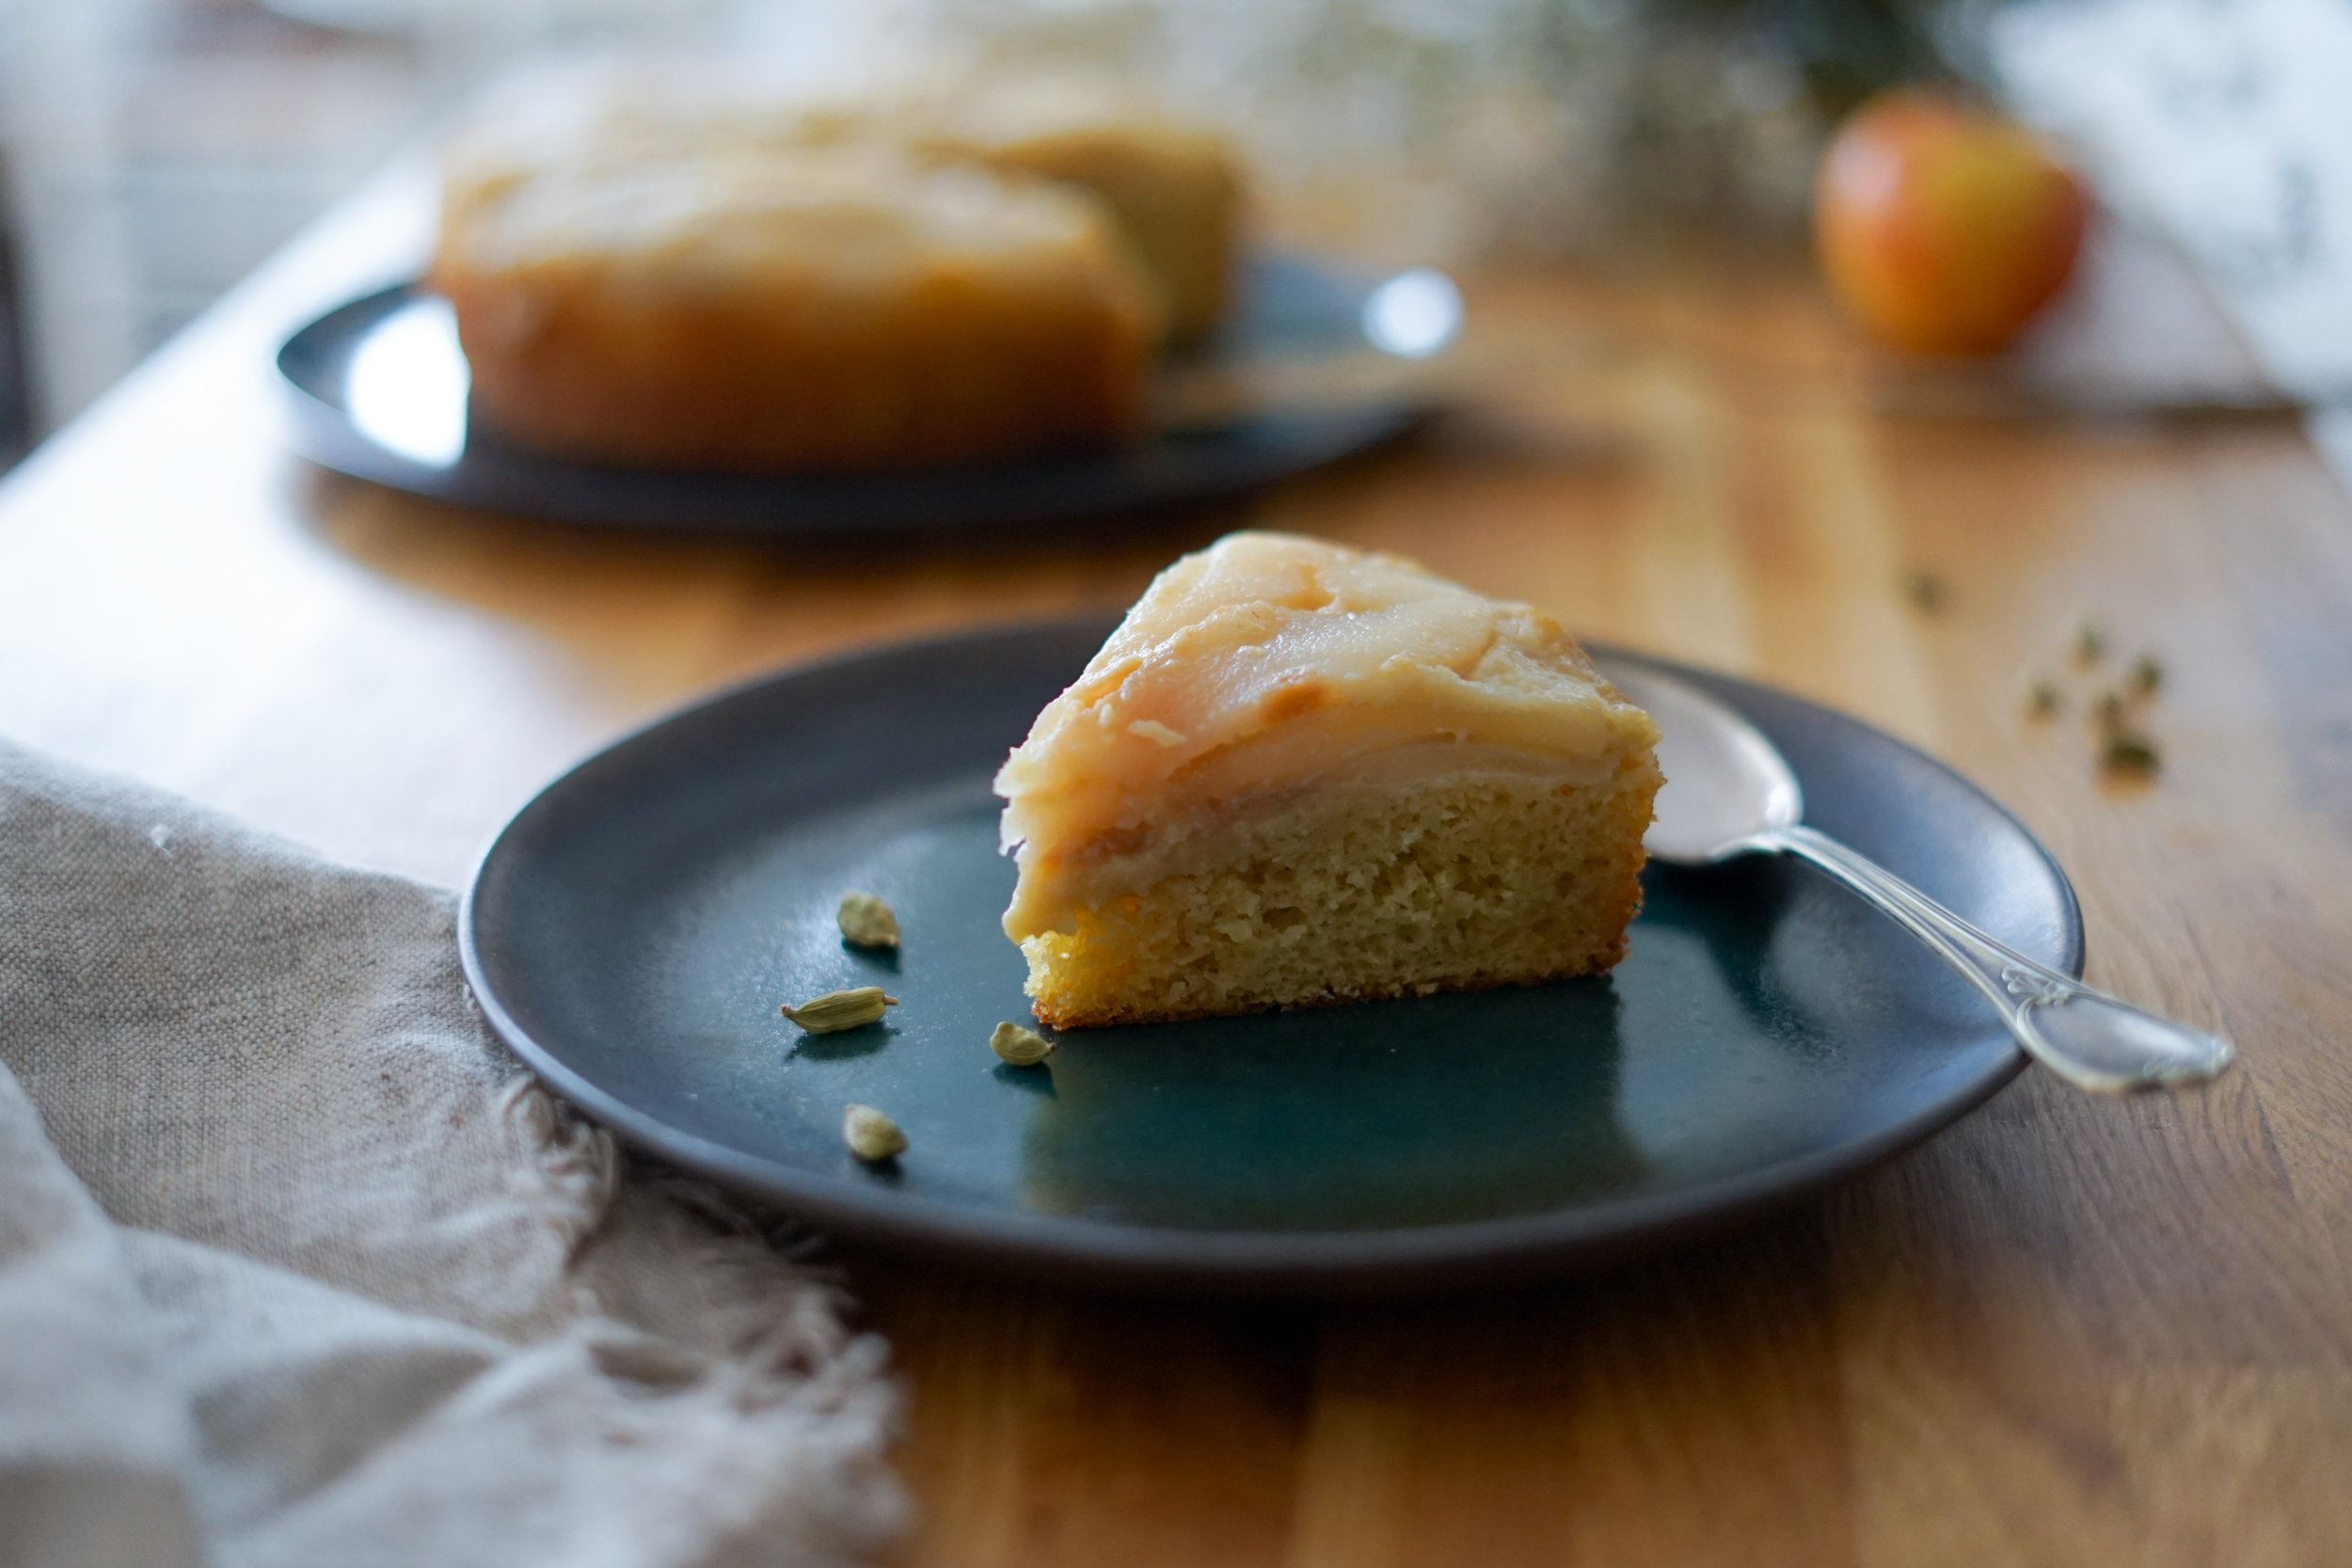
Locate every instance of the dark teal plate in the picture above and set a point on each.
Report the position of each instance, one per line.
(376, 389)
(633, 930)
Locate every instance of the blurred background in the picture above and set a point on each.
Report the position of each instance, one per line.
(155, 150)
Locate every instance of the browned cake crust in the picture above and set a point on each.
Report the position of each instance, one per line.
(575, 358)
(710, 300)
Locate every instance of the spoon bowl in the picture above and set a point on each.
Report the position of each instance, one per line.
(1725, 784)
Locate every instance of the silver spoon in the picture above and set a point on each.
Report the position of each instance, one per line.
(1728, 792)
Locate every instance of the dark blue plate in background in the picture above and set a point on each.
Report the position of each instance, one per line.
(634, 929)
(377, 391)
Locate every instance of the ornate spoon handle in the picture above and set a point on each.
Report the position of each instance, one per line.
(2080, 1033)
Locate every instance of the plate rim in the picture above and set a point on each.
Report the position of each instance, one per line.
(1077, 1249)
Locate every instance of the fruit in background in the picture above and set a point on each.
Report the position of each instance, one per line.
(1942, 226)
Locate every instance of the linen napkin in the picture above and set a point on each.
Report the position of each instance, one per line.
(299, 1266)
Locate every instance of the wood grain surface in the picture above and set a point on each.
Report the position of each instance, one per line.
(2066, 1331)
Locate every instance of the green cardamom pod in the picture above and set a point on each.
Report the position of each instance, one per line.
(871, 1134)
(866, 921)
(1020, 1047)
(841, 1009)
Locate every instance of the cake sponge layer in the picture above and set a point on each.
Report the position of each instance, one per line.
(1354, 892)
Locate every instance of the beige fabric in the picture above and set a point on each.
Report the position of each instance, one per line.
(297, 1266)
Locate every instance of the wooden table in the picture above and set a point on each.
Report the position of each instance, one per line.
(2066, 1331)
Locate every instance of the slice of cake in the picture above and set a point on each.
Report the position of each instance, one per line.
(1300, 774)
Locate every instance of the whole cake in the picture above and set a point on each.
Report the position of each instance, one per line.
(1300, 774)
(839, 307)
(671, 269)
